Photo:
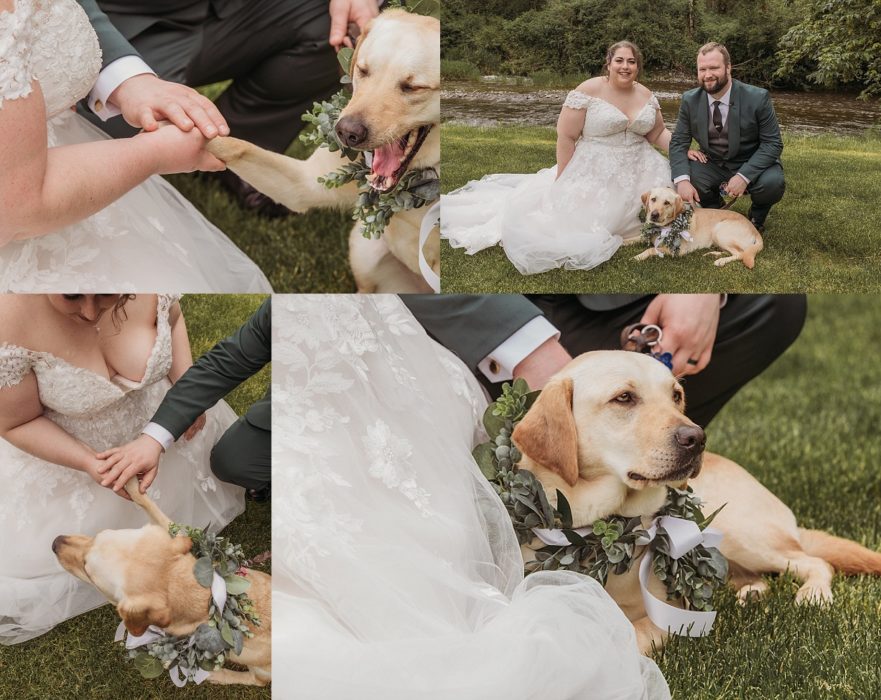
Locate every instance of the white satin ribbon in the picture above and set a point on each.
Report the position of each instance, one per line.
(429, 221)
(684, 536)
(152, 633)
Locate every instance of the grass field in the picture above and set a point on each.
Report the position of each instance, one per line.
(807, 429)
(823, 237)
(78, 659)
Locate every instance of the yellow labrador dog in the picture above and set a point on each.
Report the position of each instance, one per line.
(609, 431)
(709, 228)
(393, 113)
(148, 576)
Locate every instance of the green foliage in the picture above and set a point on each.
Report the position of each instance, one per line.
(458, 70)
(838, 42)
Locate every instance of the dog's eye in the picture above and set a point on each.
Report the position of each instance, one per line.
(362, 72)
(410, 87)
(625, 397)
(654, 199)
(677, 395)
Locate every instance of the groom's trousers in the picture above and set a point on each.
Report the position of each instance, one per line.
(764, 191)
(243, 456)
(276, 53)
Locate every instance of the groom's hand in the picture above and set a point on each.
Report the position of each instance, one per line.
(345, 12)
(145, 100)
(689, 322)
(736, 186)
(140, 457)
(686, 190)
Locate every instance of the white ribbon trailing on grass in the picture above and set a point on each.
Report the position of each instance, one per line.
(153, 633)
(684, 536)
(429, 221)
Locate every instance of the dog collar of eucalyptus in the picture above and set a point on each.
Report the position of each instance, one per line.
(683, 553)
(377, 203)
(669, 236)
(220, 567)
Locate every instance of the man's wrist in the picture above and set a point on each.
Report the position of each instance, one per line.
(110, 79)
(499, 365)
(161, 435)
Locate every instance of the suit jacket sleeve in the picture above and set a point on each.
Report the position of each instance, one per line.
(770, 141)
(217, 372)
(113, 44)
(680, 142)
(471, 326)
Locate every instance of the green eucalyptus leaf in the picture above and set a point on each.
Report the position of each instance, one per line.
(204, 571)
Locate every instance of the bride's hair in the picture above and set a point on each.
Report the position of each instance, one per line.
(118, 314)
(610, 54)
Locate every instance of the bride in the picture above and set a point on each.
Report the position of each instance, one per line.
(397, 573)
(86, 213)
(576, 214)
(78, 375)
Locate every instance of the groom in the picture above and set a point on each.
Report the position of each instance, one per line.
(739, 137)
(242, 455)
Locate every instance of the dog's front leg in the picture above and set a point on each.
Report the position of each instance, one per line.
(649, 637)
(227, 676)
(646, 254)
(288, 181)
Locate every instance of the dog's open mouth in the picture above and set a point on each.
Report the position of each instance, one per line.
(389, 162)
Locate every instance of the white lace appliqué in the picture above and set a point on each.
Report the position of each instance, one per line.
(389, 458)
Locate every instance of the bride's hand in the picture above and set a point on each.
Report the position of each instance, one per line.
(140, 458)
(193, 430)
(94, 469)
(180, 151)
(699, 156)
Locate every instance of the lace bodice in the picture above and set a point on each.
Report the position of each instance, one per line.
(603, 120)
(77, 392)
(50, 41)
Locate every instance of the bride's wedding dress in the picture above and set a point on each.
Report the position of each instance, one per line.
(577, 221)
(39, 500)
(149, 240)
(397, 573)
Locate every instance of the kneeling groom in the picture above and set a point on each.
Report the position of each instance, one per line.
(739, 136)
(242, 456)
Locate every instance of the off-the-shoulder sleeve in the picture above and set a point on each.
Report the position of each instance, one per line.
(654, 102)
(15, 363)
(577, 100)
(16, 39)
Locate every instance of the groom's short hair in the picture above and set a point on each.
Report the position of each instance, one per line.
(715, 46)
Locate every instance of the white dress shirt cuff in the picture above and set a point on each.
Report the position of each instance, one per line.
(159, 434)
(114, 75)
(499, 365)
(681, 178)
(745, 178)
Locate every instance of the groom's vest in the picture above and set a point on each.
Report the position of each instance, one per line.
(718, 141)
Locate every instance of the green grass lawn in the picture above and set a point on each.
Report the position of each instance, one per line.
(823, 237)
(808, 429)
(78, 659)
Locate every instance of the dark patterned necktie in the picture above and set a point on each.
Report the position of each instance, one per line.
(717, 116)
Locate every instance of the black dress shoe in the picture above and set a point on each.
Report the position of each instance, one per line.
(259, 495)
(248, 197)
(760, 225)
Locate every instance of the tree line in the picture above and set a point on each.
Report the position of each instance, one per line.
(800, 44)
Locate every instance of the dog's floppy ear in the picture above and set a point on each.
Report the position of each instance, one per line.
(139, 612)
(645, 198)
(547, 433)
(678, 206)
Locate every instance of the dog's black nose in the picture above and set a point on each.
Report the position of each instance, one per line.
(691, 437)
(654, 216)
(351, 131)
(57, 542)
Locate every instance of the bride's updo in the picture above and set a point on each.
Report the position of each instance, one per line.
(610, 54)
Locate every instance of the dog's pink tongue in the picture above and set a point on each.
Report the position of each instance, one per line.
(387, 159)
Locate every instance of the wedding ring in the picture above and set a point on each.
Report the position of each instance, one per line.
(689, 361)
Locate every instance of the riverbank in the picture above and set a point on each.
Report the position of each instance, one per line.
(823, 237)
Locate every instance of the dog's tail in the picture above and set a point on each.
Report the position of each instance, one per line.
(750, 252)
(846, 556)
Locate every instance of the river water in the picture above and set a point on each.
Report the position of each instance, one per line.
(495, 102)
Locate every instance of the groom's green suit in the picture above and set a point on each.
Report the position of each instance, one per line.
(753, 147)
(242, 455)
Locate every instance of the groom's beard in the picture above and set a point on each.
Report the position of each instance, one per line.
(719, 85)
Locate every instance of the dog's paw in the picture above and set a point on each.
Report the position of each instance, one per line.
(810, 594)
(714, 253)
(752, 591)
(227, 148)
